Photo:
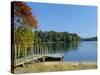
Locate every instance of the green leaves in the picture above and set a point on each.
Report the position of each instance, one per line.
(52, 36)
(24, 22)
(24, 35)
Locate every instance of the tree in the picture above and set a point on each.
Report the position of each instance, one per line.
(23, 14)
(24, 36)
(52, 36)
(24, 22)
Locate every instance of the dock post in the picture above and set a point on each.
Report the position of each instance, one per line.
(40, 50)
(25, 53)
(37, 48)
(43, 59)
(32, 48)
(18, 51)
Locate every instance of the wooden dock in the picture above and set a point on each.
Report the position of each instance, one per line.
(35, 52)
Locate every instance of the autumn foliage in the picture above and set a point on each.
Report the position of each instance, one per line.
(23, 11)
(23, 22)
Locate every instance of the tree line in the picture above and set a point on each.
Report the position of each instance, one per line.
(90, 39)
(53, 36)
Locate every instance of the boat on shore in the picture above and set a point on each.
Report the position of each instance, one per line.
(47, 58)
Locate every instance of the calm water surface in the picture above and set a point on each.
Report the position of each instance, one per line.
(75, 51)
(85, 51)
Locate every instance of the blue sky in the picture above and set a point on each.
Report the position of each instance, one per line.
(70, 18)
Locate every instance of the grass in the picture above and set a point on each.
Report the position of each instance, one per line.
(55, 66)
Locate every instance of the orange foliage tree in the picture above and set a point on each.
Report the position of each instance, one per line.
(23, 11)
(24, 22)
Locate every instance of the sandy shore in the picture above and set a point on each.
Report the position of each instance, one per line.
(55, 66)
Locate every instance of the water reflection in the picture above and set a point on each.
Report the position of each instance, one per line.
(73, 51)
(54, 49)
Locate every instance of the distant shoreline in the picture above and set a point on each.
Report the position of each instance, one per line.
(68, 42)
(59, 42)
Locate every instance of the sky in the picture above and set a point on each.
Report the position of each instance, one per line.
(66, 18)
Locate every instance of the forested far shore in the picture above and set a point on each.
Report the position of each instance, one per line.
(53, 36)
(90, 39)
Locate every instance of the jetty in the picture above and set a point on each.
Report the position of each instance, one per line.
(36, 53)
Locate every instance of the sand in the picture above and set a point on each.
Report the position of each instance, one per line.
(55, 66)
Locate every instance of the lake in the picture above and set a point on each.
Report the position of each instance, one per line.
(85, 51)
(74, 51)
